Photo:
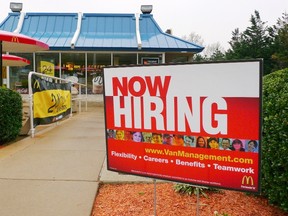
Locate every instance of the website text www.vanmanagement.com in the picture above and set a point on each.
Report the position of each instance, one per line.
(210, 157)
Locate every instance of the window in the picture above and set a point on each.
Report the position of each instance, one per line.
(124, 59)
(95, 64)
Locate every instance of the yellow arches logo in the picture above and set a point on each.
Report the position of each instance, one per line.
(247, 180)
(36, 84)
(15, 40)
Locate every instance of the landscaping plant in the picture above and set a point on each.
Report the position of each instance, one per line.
(275, 138)
(10, 115)
(191, 189)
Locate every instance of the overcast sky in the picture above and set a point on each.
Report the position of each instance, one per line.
(212, 20)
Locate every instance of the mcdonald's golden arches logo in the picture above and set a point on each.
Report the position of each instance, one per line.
(247, 180)
(36, 85)
(15, 39)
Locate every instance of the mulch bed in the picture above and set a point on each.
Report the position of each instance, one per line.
(138, 199)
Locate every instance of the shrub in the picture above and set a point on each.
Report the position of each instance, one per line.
(10, 115)
(190, 189)
(275, 138)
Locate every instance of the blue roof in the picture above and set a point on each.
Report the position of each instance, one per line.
(153, 38)
(98, 32)
(107, 32)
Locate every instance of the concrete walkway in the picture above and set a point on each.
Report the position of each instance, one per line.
(57, 173)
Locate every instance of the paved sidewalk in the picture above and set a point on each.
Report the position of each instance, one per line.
(57, 173)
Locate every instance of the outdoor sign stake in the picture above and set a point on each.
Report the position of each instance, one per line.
(198, 201)
(155, 198)
(196, 123)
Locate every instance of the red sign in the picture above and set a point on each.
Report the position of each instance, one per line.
(192, 123)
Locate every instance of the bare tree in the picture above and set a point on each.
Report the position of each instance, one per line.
(209, 50)
(194, 38)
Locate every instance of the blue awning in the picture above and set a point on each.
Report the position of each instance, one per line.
(97, 32)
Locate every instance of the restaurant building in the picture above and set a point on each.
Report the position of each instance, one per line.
(81, 44)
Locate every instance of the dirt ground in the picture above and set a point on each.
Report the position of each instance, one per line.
(138, 200)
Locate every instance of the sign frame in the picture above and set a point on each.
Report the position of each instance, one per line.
(249, 176)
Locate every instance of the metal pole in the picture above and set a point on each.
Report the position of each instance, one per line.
(198, 203)
(86, 79)
(155, 200)
(1, 78)
(30, 91)
(8, 75)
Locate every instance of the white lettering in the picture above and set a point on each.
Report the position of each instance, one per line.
(170, 112)
(122, 111)
(137, 113)
(158, 160)
(233, 169)
(153, 107)
(124, 155)
(191, 164)
(221, 119)
(184, 114)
